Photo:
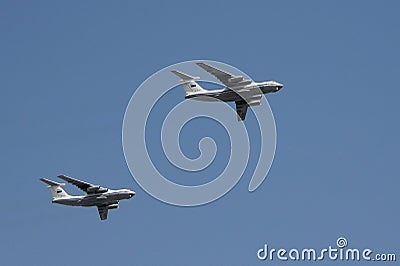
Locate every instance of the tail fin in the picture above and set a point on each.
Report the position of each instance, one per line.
(188, 83)
(55, 188)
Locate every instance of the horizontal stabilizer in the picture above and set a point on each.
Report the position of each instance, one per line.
(183, 76)
(51, 183)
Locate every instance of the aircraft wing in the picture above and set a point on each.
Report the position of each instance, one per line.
(103, 212)
(80, 184)
(241, 109)
(226, 78)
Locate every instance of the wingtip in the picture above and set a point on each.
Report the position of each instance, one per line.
(63, 177)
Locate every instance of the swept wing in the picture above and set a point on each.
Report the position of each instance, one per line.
(226, 78)
(103, 212)
(85, 186)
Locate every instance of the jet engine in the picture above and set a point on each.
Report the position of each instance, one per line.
(96, 189)
(113, 206)
(235, 79)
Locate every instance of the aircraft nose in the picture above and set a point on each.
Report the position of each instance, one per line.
(279, 86)
(132, 193)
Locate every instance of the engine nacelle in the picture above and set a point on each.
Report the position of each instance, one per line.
(102, 190)
(235, 79)
(92, 189)
(254, 102)
(96, 189)
(112, 206)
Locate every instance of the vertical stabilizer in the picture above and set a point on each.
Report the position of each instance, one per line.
(189, 83)
(55, 188)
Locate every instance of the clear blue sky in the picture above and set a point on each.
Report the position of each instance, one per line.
(69, 68)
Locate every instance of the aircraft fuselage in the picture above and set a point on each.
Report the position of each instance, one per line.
(231, 94)
(97, 199)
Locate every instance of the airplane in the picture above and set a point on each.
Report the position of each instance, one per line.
(244, 92)
(105, 199)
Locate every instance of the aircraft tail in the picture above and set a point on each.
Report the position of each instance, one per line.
(55, 188)
(188, 83)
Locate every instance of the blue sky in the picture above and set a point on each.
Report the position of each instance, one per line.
(68, 70)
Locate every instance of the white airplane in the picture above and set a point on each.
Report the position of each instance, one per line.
(243, 92)
(104, 198)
